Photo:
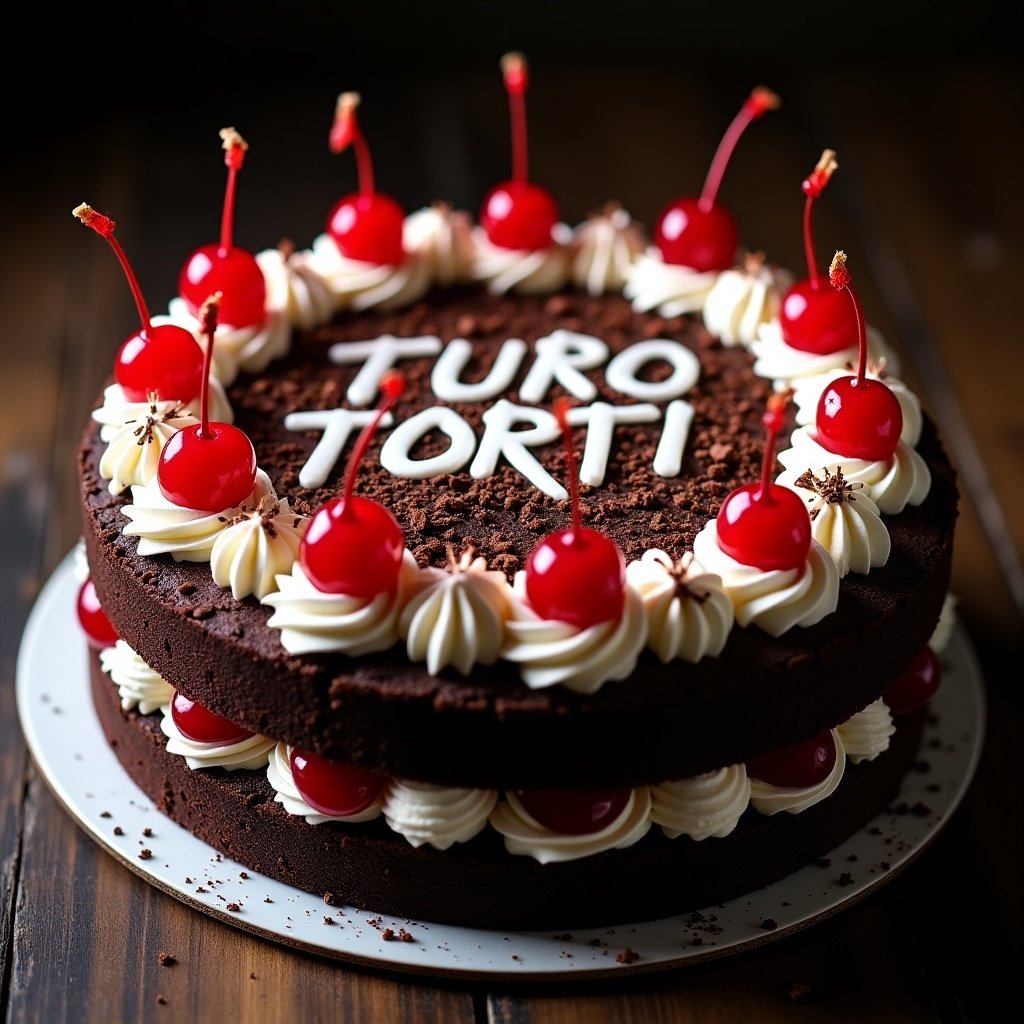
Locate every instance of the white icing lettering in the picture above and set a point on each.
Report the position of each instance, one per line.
(378, 356)
(394, 456)
(337, 425)
(559, 357)
(622, 371)
(445, 383)
(600, 420)
(668, 459)
(501, 440)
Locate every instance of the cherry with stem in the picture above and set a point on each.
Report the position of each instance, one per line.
(576, 575)
(518, 214)
(354, 545)
(224, 267)
(858, 417)
(165, 360)
(208, 466)
(365, 225)
(763, 524)
(700, 233)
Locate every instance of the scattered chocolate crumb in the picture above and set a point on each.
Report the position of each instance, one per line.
(329, 899)
(920, 810)
(852, 857)
(118, 831)
(252, 974)
(105, 814)
(405, 936)
(786, 903)
(564, 937)
(824, 862)
(199, 888)
(627, 956)
(145, 853)
(234, 907)
(874, 831)
(166, 959)
(884, 865)
(328, 920)
(188, 881)
(243, 874)
(267, 899)
(799, 990)
(387, 935)
(160, 1000)
(147, 831)
(696, 941)
(769, 924)
(846, 879)
(596, 943)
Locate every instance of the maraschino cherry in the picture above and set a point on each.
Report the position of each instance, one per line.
(166, 360)
(198, 723)
(575, 575)
(330, 787)
(354, 545)
(517, 214)
(98, 629)
(699, 233)
(223, 267)
(209, 466)
(813, 317)
(916, 686)
(858, 417)
(763, 524)
(574, 812)
(365, 225)
(796, 767)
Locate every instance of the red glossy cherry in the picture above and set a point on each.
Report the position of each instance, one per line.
(208, 466)
(763, 524)
(340, 790)
(574, 812)
(698, 233)
(796, 767)
(575, 575)
(98, 629)
(812, 318)
(354, 545)
(517, 214)
(916, 686)
(200, 724)
(857, 417)
(166, 360)
(366, 225)
(223, 267)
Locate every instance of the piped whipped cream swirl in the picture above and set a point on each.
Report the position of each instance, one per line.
(286, 793)
(670, 289)
(312, 621)
(549, 652)
(251, 753)
(117, 409)
(186, 534)
(525, 835)
(133, 450)
(892, 484)
(137, 684)
(702, 806)
(435, 815)
(947, 623)
(358, 285)
(689, 614)
(257, 544)
(768, 799)
(745, 298)
(867, 733)
(525, 271)
(844, 521)
(605, 247)
(294, 288)
(458, 616)
(443, 239)
(775, 599)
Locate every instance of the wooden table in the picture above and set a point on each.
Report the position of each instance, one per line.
(926, 203)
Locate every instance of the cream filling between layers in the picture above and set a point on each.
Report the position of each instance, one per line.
(867, 733)
(435, 815)
(702, 806)
(137, 684)
(251, 753)
(768, 799)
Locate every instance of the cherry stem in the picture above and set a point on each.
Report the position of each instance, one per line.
(813, 185)
(104, 227)
(758, 103)
(393, 387)
(346, 132)
(234, 156)
(773, 421)
(561, 411)
(840, 279)
(513, 66)
(208, 319)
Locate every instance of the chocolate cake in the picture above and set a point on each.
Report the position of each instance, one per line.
(437, 745)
